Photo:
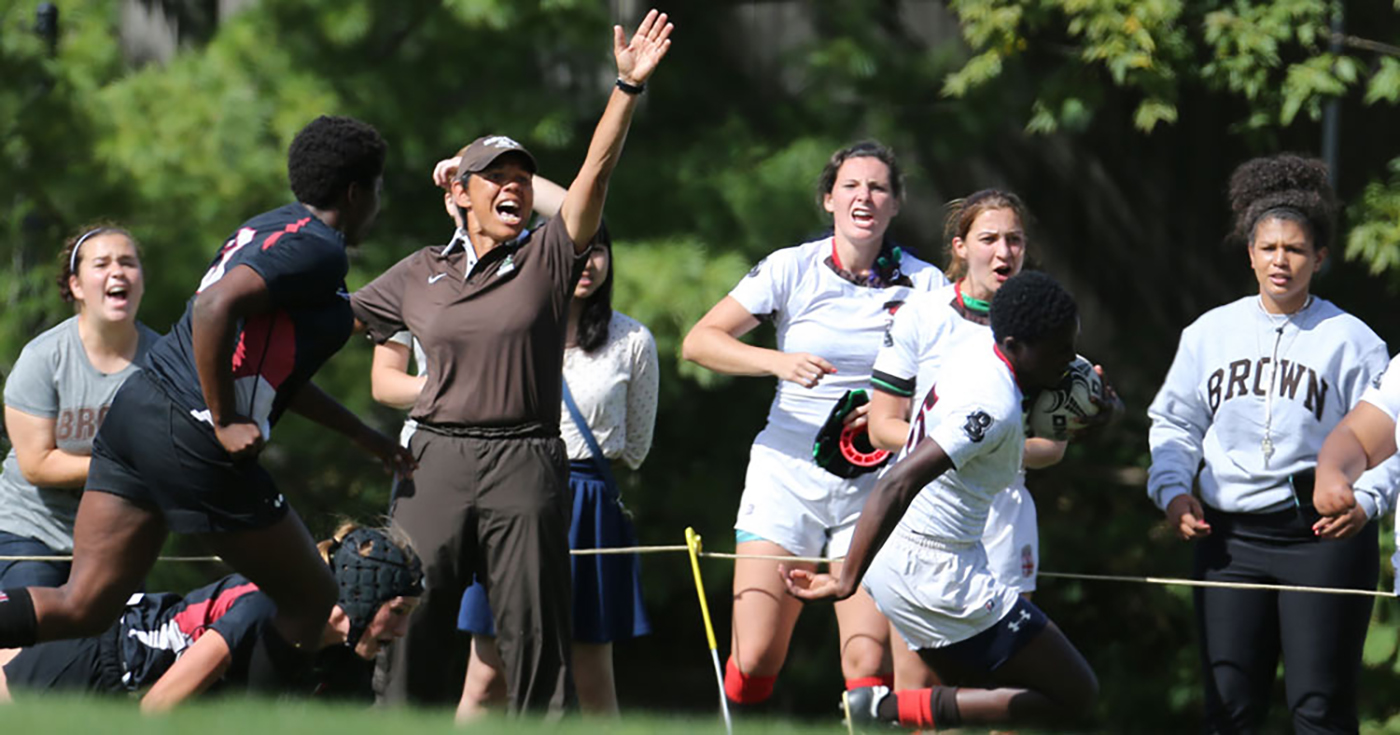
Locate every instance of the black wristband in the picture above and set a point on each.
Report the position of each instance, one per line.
(633, 89)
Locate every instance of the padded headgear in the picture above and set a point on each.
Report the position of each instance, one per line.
(372, 570)
(843, 451)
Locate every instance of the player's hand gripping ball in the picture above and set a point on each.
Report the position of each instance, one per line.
(1060, 411)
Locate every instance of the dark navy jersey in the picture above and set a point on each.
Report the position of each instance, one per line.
(303, 263)
(155, 629)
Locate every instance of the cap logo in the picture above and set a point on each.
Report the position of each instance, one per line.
(501, 141)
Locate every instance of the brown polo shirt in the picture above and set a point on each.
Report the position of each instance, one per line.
(494, 338)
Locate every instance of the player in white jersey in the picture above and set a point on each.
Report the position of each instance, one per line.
(918, 543)
(1254, 390)
(1365, 437)
(986, 246)
(830, 300)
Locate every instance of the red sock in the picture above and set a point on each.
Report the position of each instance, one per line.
(870, 681)
(915, 708)
(744, 688)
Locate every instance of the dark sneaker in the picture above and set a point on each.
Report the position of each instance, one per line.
(862, 709)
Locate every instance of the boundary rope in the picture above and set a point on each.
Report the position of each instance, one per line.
(683, 548)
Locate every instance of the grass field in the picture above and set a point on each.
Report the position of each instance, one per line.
(101, 716)
(89, 716)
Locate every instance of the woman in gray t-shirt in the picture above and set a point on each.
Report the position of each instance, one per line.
(58, 394)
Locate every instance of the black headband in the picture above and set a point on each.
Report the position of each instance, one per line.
(1285, 211)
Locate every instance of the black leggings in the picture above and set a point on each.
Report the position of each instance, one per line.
(1243, 632)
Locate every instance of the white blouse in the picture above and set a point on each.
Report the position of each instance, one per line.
(615, 388)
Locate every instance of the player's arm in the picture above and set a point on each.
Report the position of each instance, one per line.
(317, 405)
(1041, 453)
(878, 518)
(714, 343)
(637, 58)
(889, 419)
(240, 293)
(195, 670)
(40, 460)
(1363, 439)
(389, 381)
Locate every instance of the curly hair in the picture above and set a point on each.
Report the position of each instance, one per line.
(963, 212)
(1286, 186)
(864, 149)
(1030, 306)
(68, 264)
(597, 308)
(329, 154)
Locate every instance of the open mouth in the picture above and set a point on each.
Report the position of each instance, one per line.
(508, 211)
(117, 294)
(1002, 272)
(863, 216)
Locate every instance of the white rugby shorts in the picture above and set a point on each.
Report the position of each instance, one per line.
(799, 506)
(936, 593)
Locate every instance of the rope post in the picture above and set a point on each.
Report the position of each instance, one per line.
(692, 543)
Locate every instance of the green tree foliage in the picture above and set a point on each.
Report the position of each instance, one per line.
(1281, 59)
(1136, 112)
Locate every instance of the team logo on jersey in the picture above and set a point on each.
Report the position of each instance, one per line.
(890, 308)
(4, 597)
(1027, 561)
(753, 272)
(507, 266)
(977, 424)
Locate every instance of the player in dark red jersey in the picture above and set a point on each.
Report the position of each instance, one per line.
(163, 641)
(178, 450)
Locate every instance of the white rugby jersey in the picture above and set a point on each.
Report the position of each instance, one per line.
(1216, 403)
(974, 413)
(924, 332)
(1384, 393)
(819, 312)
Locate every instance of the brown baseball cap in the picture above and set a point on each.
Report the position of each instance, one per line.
(484, 151)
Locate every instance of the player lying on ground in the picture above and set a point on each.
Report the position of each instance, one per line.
(932, 580)
(182, 646)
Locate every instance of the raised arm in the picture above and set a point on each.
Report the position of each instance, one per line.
(582, 209)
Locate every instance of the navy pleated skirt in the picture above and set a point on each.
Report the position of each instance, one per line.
(607, 587)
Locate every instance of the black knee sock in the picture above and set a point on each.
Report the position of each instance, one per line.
(278, 667)
(18, 625)
(944, 701)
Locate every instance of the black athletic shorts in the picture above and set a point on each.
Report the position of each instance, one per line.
(156, 454)
(78, 665)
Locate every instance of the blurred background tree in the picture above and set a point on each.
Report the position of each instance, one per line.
(1118, 121)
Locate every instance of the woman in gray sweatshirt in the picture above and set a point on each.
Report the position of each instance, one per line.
(1254, 389)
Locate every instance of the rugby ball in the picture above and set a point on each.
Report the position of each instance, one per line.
(1059, 410)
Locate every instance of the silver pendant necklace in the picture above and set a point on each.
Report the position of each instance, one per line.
(1266, 447)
